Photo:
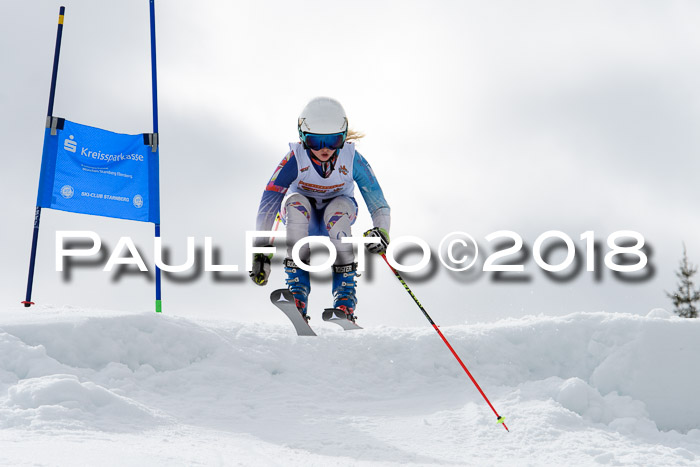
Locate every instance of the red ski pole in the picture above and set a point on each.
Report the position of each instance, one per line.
(500, 419)
(278, 218)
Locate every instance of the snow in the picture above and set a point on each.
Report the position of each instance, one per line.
(115, 388)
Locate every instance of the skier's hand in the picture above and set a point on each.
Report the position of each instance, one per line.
(379, 247)
(261, 268)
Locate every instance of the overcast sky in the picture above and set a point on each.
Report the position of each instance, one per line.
(479, 116)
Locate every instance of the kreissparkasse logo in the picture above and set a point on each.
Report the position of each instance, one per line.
(70, 144)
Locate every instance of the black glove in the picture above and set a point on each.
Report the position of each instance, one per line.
(379, 247)
(261, 268)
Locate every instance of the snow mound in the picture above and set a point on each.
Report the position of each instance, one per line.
(579, 389)
(659, 313)
(133, 340)
(19, 360)
(652, 361)
(63, 401)
(578, 396)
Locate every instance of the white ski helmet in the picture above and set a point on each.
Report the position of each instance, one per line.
(322, 116)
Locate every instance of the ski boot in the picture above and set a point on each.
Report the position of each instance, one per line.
(344, 289)
(299, 284)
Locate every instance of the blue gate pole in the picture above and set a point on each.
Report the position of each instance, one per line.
(37, 214)
(155, 131)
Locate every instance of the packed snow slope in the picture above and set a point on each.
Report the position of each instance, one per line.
(104, 388)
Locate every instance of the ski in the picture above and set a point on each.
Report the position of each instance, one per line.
(284, 300)
(336, 316)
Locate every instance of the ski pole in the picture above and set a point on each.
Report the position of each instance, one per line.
(278, 218)
(501, 420)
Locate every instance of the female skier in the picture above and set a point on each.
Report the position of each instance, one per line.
(314, 186)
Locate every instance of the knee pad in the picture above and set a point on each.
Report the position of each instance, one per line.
(338, 216)
(297, 209)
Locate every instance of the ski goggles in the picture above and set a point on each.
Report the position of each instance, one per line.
(316, 142)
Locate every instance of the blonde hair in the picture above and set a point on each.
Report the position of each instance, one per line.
(354, 136)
